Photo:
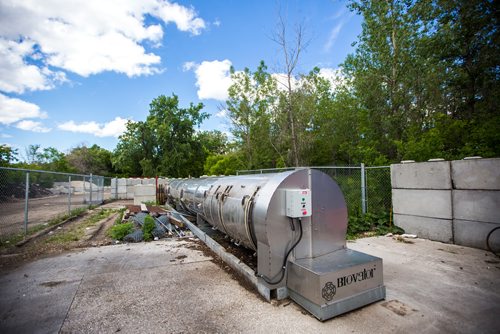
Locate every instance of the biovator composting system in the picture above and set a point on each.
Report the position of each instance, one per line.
(296, 221)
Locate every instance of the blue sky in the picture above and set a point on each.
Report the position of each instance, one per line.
(70, 77)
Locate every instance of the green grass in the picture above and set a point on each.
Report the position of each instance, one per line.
(75, 233)
(11, 240)
(119, 231)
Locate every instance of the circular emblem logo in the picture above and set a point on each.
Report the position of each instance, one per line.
(328, 291)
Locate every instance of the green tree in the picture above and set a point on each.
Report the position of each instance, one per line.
(8, 155)
(94, 159)
(163, 144)
(425, 79)
(213, 142)
(251, 103)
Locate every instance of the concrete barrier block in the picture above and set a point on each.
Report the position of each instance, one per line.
(423, 175)
(122, 182)
(473, 234)
(149, 181)
(145, 190)
(132, 181)
(476, 174)
(477, 205)
(427, 203)
(113, 183)
(162, 181)
(425, 227)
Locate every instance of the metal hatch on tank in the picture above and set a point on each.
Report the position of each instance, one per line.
(296, 221)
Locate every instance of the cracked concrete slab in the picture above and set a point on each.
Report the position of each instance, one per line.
(169, 287)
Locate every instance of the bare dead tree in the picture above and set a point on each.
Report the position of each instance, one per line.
(291, 49)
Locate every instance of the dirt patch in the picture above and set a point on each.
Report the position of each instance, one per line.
(62, 239)
(243, 254)
(151, 209)
(52, 283)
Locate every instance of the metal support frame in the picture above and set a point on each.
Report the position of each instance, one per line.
(90, 197)
(69, 195)
(363, 189)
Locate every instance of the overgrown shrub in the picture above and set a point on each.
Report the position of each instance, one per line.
(148, 227)
(379, 224)
(119, 231)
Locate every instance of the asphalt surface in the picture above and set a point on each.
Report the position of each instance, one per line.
(170, 287)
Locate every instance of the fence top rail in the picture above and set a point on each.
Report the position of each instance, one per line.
(45, 171)
(313, 167)
(375, 167)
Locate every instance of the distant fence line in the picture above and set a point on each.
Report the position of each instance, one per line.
(366, 189)
(31, 197)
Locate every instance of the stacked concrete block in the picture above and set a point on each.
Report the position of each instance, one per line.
(457, 201)
(144, 193)
(476, 201)
(422, 199)
(131, 182)
(119, 188)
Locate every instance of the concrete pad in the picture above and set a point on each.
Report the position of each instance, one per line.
(426, 227)
(152, 288)
(427, 203)
(476, 174)
(473, 234)
(423, 175)
(477, 205)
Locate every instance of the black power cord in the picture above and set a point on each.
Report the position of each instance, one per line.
(283, 267)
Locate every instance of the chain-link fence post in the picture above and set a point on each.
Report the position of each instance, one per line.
(90, 197)
(69, 195)
(363, 189)
(26, 200)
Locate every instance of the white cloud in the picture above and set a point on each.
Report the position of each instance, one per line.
(213, 79)
(113, 128)
(82, 36)
(222, 113)
(188, 66)
(16, 75)
(217, 23)
(13, 110)
(29, 125)
(334, 75)
(282, 81)
(334, 33)
(5, 135)
(184, 18)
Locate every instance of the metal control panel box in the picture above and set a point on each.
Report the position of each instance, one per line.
(298, 203)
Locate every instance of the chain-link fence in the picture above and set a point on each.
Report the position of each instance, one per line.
(32, 197)
(365, 189)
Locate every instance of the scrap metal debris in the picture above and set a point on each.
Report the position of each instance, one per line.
(167, 223)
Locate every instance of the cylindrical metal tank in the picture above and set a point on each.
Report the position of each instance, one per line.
(251, 209)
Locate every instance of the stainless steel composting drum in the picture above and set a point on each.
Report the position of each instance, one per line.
(296, 221)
